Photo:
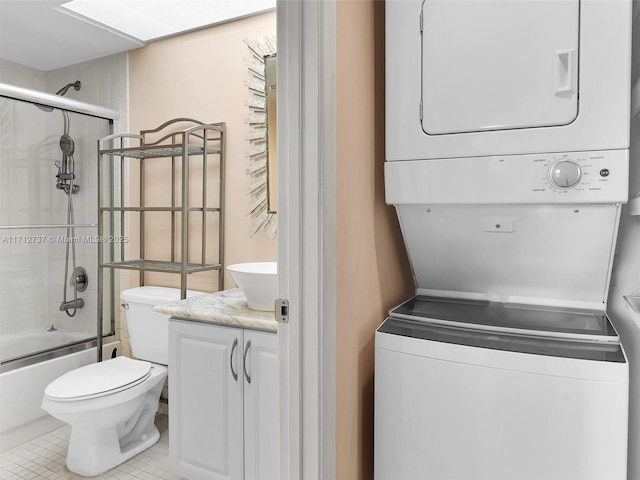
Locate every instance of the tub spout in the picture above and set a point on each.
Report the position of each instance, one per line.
(64, 306)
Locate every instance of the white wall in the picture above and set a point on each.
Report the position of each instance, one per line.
(201, 75)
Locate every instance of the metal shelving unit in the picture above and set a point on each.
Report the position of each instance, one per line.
(188, 147)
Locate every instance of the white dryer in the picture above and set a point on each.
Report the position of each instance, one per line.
(469, 78)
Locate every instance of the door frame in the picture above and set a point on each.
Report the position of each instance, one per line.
(307, 237)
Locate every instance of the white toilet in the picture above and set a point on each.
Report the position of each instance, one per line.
(111, 405)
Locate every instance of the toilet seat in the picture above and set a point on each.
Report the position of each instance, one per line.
(99, 379)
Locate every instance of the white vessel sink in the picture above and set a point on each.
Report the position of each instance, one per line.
(259, 282)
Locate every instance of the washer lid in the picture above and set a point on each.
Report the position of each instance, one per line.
(573, 324)
(98, 378)
(496, 228)
(507, 342)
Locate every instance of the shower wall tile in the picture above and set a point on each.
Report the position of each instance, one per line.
(21, 76)
(104, 82)
(22, 318)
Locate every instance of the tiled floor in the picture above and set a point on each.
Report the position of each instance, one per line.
(44, 458)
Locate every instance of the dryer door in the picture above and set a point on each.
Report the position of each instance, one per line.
(498, 65)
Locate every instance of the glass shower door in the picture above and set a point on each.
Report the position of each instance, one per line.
(44, 153)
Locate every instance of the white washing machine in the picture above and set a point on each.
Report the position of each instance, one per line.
(469, 78)
(507, 128)
(463, 394)
(504, 366)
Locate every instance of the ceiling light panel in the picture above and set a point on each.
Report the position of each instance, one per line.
(148, 20)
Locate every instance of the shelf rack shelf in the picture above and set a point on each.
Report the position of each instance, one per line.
(159, 151)
(188, 149)
(161, 266)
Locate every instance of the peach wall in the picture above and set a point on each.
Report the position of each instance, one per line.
(202, 75)
(373, 271)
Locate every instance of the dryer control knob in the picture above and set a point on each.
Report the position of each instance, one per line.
(565, 174)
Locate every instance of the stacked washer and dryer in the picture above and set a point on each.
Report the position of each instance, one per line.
(507, 135)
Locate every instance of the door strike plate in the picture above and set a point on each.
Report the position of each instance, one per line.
(282, 310)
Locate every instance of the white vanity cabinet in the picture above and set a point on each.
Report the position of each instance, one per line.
(223, 402)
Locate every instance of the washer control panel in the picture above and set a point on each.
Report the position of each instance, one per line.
(572, 177)
(579, 171)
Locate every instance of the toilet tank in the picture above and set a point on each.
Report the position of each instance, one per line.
(148, 330)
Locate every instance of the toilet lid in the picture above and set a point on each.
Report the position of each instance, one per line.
(99, 378)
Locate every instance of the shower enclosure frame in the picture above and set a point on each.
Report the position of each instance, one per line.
(43, 99)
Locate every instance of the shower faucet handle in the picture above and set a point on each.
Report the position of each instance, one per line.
(79, 279)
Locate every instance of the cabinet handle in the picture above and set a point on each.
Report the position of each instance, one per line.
(244, 361)
(233, 349)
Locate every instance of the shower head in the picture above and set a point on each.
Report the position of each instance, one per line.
(77, 85)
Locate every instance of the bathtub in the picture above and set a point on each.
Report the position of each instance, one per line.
(21, 390)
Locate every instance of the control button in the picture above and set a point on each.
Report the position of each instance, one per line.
(565, 174)
(604, 172)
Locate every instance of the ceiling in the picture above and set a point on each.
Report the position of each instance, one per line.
(44, 34)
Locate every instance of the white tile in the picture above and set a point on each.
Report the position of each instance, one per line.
(44, 458)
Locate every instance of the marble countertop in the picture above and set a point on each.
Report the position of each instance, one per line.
(228, 307)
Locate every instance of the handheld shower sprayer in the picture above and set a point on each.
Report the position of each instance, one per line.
(65, 181)
(66, 167)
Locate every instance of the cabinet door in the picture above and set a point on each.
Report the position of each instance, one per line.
(205, 401)
(496, 64)
(261, 415)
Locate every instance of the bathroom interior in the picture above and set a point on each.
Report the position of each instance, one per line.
(202, 74)
(67, 211)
